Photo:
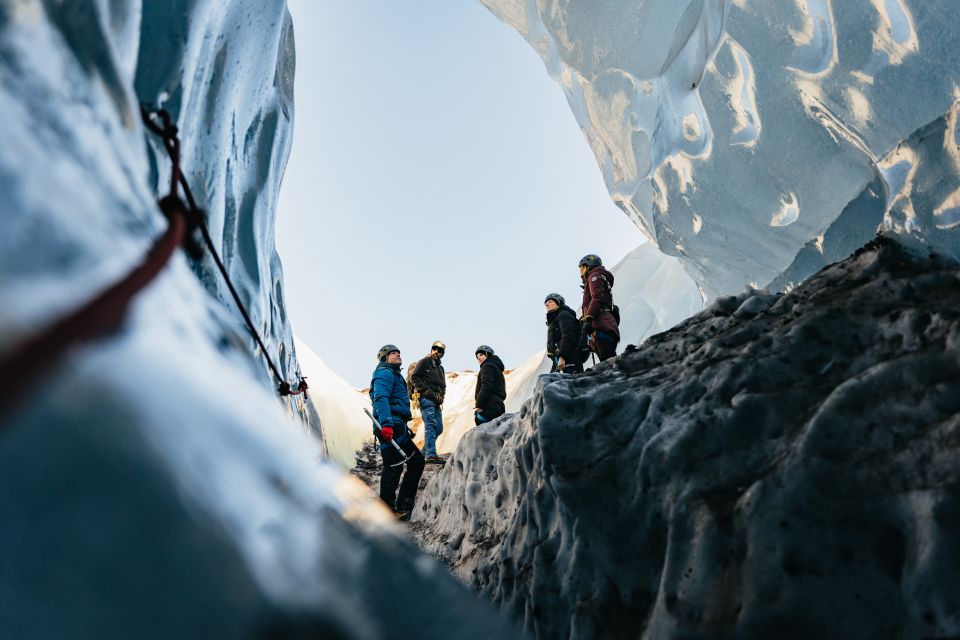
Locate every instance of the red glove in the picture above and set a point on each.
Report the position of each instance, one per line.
(387, 433)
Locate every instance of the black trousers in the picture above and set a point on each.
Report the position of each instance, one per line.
(390, 476)
(605, 349)
(495, 409)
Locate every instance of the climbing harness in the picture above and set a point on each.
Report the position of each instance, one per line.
(105, 313)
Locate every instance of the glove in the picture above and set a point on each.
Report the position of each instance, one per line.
(588, 327)
(386, 433)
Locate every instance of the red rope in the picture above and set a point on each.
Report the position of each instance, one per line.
(100, 317)
(105, 313)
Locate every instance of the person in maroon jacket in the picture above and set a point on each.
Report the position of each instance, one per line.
(599, 323)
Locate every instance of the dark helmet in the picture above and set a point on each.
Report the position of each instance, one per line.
(483, 349)
(556, 297)
(590, 261)
(439, 345)
(386, 350)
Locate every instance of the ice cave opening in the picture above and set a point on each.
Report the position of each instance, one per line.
(781, 463)
(448, 212)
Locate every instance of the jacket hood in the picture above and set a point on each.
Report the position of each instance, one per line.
(494, 360)
(552, 315)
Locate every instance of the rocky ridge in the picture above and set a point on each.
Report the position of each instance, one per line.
(776, 466)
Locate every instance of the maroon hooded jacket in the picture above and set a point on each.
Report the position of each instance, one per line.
(598, 300)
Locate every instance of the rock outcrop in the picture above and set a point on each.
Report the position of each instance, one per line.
(778, 466)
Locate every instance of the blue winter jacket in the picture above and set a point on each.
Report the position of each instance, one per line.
(391, 404)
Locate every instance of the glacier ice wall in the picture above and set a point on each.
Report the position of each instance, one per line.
(74, 143)
(750, 138)
(151, 483)
(777, 466)
(235, 121)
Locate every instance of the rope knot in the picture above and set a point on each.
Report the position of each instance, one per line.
(172, 206)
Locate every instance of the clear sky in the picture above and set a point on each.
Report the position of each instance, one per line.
(438, 187)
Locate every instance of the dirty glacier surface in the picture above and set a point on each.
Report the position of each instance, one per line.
(760, 141)
(152, 484)
(776, 466)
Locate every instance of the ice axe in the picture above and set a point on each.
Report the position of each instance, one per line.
(376, 423)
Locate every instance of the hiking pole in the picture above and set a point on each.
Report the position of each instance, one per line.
(403, 457)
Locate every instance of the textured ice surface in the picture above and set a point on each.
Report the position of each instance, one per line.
(154, 485)
(738, 134)
(776, 466)
(653, 292)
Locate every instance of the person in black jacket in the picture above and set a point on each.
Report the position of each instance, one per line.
(563, 335)
(430, 384)
(491, 387)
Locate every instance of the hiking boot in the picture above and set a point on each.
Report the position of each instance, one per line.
(435, 460)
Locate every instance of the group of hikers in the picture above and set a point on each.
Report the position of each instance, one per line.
(570, 342)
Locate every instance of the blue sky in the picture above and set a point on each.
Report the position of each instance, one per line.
(438, 186)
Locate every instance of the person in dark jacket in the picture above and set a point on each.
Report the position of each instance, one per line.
(563, 335)
(598, 321)
(491, 387)
(391, 408)
(430, 384)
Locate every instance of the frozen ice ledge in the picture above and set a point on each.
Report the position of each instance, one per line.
(777, 466)
(152, 485)
(759, 141)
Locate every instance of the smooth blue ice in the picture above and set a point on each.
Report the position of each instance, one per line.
(758, 141)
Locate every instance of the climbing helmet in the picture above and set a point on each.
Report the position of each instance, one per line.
(386, 350)
(484, 349)
(590, 261)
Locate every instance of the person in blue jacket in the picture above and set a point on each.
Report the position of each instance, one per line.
(391, 408)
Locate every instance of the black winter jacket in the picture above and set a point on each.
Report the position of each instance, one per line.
(429, 380)
(563, 334)
(491, 388)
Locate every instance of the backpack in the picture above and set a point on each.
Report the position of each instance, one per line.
(410, 388)
(614, 309)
